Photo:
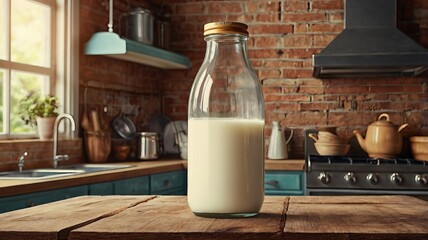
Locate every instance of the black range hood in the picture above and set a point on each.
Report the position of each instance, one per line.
(370, 45)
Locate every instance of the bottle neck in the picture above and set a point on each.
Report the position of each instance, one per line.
(229, 48)
(226, 38)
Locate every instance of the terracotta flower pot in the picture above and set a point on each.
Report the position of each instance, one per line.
(45, 127)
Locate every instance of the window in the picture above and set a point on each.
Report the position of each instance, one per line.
(36, 54)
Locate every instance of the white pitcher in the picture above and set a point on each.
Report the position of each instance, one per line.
(278, 144)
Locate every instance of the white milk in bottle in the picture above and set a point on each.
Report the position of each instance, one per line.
(226, 128)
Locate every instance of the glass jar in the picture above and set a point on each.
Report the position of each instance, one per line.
(226, 128)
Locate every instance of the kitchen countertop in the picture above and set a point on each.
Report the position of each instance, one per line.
(169, 217)
(15, 187)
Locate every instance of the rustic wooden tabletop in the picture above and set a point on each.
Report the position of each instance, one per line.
(169, 217)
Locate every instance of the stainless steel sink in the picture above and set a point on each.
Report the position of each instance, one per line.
(95, 167)
(60, 172)
(39, 174)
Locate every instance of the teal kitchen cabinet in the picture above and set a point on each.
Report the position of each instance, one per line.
(32, 199)
(128, 186)
(284, 183)
(132, 186)
(103, 188)
(169, 183)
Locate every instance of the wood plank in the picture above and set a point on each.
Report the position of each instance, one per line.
(356, 217)
(171, 218)
(285, 164)
(56, 220)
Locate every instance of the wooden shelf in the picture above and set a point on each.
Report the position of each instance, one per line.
(112, 45)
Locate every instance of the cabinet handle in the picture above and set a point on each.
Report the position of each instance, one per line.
(272, 182)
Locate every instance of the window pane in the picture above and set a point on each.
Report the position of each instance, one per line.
(21, 84)
(2, 80)
(3, 29)
(30, 33)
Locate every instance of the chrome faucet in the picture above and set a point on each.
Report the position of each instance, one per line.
(57, 157)
(21, 161)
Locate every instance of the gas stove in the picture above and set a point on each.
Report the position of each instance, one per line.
(361, 175)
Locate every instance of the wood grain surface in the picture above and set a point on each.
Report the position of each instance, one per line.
(56, 220)
(357, 217)
(169, 217)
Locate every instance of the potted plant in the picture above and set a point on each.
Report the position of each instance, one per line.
(40, 111)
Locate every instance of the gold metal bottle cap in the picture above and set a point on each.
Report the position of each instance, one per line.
(225, 28)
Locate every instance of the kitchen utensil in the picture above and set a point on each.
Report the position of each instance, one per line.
(124, 127)
(95, 121)
(419, 146)
(181, 140)
(326, 137)
(162, 34)
(98, 145)
(169, 136)
(331, 149)
(138, 25)
(383, 138)
(327, 128)
(278, 144)
(85, 120)
(121, 152)
(148, 145)
(182, 144)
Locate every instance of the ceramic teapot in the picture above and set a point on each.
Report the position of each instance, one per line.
(278, 145)
(383, 138)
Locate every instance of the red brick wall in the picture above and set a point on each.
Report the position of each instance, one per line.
(284, 35)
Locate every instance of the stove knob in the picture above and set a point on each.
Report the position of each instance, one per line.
(324, 178)
(421, 179)
(396, 178)
(372, 178)
(350, 178)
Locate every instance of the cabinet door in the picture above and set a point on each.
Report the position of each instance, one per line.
(132, 186)
(104, 188)
(76, 191)
(13, 203)
(168, 183)
(37, 198)
(284, 183)
(55, 195)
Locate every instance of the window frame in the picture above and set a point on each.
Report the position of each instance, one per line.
(63, 69)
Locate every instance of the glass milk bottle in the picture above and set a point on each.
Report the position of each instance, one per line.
(226, 128)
